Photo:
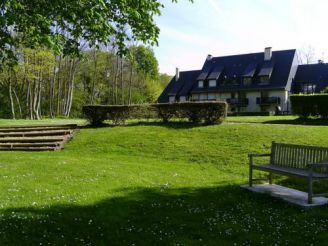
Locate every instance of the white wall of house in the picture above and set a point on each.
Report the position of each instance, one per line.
(203, 96)
(251, 95)
(252, 106)
(224, 96)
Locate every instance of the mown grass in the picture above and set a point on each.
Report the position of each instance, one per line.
(46, 121)
(154, 184)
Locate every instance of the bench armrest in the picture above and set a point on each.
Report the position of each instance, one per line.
(258, 155)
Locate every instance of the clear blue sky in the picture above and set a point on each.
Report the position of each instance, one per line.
(224, 27)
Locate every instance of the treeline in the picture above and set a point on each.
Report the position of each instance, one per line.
(43, 84)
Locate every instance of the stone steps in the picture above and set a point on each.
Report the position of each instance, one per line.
(36, 138)
(37, 128)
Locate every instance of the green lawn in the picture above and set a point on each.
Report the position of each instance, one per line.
(154, 184)
(47, 121)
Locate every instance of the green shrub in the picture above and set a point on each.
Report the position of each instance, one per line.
(267, 113)
(118, 114)
(206, 112)
(310, 105)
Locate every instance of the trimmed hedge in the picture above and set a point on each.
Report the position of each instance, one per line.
(118, 114)
(250, 114)
(197, 112)
(310, 105)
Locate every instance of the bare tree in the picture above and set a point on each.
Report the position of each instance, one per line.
(307, 56)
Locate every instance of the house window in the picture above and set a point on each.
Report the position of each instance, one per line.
(172, 99)
(308, 88)
(183, 99)
(212, 83)
(195, 97)
(264, 80)
(247, 80)
(203, 97)
(201, 84)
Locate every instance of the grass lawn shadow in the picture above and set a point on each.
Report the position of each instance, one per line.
(173, 124)
(299, 121)
(163, 216)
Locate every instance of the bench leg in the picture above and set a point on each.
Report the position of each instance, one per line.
(270, 178)
(310, 191)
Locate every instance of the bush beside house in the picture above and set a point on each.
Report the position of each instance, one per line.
(310, 105)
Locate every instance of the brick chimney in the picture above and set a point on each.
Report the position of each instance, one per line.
(209, 57)
(267, 53)
(177, 74)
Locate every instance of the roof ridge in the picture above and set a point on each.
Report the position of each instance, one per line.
(196, 70)
(253, 53)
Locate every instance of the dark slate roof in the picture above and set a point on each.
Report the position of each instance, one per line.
(202, 76)
(250, 70)
(236, 65)
(266, 69)
(312, 73)
(186, 81)
(216, 72)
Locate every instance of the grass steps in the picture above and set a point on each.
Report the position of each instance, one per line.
(37, 128)
(35, 138)
(36, 133)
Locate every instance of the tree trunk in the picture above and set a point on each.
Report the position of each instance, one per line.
(12, 106)
(18, 103)
(130, 84)
(122, 85)
(115, 79)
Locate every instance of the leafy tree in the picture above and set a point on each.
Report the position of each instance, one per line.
(146, 60)
(61, 25)
(164, 79)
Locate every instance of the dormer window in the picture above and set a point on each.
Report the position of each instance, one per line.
(247, 80)
(264, 80)
(201, 84)
(212, 83)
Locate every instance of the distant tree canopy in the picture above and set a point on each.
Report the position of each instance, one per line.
(146, 60)
(62, 25)
(58, 55)
(44, 84)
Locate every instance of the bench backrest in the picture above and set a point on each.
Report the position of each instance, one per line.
(297, 156)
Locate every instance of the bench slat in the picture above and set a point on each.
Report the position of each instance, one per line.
(297, 156)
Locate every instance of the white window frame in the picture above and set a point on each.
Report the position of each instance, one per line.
(182, 99)
(212, 83)
(171, 99)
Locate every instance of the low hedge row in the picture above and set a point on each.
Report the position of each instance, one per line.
(250, 114)
(310, 105)
(197, 112)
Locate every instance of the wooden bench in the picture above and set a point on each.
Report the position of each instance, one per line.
(308, 162)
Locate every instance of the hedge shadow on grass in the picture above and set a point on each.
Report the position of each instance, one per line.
(211, 216)
(300, 121)
(172, 124)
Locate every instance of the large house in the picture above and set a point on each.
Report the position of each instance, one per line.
(249, 82)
